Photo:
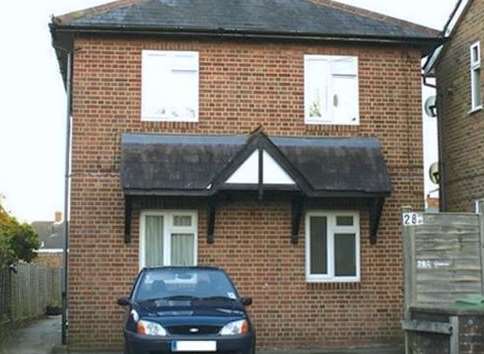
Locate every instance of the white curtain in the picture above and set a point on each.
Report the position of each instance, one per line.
(182, 249)
(154, 241)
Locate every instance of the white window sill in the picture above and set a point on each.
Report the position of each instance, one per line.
(320, 122)
(320, 279)
(476, 109)
(160, 120)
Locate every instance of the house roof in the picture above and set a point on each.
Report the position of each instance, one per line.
(201, 165)
(295, 17)
(51, 235)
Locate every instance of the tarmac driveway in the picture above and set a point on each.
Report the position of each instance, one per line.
(343, 351)
(43, 337)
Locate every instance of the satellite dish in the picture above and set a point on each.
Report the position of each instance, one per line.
(431, 106)
(434, 173)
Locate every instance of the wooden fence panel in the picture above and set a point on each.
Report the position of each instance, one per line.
(4, 297)
(26, 294)
(448, 258)
(443, 259)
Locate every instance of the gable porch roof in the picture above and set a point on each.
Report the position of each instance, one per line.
(200, 166)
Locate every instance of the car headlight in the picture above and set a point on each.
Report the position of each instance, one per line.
(149, 328)
(134, 315)
(235, 328)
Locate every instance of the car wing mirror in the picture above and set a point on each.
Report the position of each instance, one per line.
(124, 301)
(246, 301)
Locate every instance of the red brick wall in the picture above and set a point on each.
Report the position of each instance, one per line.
(462, 132)
(242, 85)
(51, 260)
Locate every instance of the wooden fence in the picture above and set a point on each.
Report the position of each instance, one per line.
(26, 294)
(444, 262)
(443, 257)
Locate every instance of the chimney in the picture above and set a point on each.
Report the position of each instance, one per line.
(58, 217)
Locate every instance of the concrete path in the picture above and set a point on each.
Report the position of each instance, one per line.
(37, 338)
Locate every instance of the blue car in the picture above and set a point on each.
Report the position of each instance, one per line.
(186, 310)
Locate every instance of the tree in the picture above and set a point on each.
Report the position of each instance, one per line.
(17, 240)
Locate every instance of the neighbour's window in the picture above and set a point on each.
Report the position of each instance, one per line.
(476, 76)
(169, 86)
(331, 89)
(332, 247)
(168, 239)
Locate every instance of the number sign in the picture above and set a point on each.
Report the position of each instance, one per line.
(412, 219)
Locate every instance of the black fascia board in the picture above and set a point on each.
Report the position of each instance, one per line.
(223, 32)
(245, 187)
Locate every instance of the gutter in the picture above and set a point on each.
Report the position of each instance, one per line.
(232, 33)
(451, 17)
(424, 80)
(434, 56)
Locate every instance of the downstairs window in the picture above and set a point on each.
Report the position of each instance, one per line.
(332, 247)
(168, 238)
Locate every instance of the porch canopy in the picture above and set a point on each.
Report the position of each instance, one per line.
(209, 166)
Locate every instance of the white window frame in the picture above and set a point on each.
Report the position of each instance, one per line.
(168, 230)
(331, 231)
(475, 67)
(145, 117)
(331, 120)
(477, 204)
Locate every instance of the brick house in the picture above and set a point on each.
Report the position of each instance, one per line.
(460, 87)
(277, 139)
(51, 236)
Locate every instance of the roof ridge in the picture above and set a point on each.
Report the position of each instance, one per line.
(96, 10)
(374, 15)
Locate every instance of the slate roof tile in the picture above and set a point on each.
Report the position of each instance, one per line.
(295, 17)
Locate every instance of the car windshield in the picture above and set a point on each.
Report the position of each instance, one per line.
(184, 284)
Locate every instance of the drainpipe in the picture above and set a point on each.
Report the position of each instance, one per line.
(442, 167)
(442, 197)
(65, 322)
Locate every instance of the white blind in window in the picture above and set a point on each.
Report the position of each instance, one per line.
(170, 86)
(331, 89)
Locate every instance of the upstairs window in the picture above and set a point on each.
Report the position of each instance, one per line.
(331, 90)
(476, 76)
(169, 86)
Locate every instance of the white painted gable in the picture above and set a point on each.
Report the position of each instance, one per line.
(273, 173)
(248, 172)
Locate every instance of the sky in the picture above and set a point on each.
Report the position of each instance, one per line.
(32, 104)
